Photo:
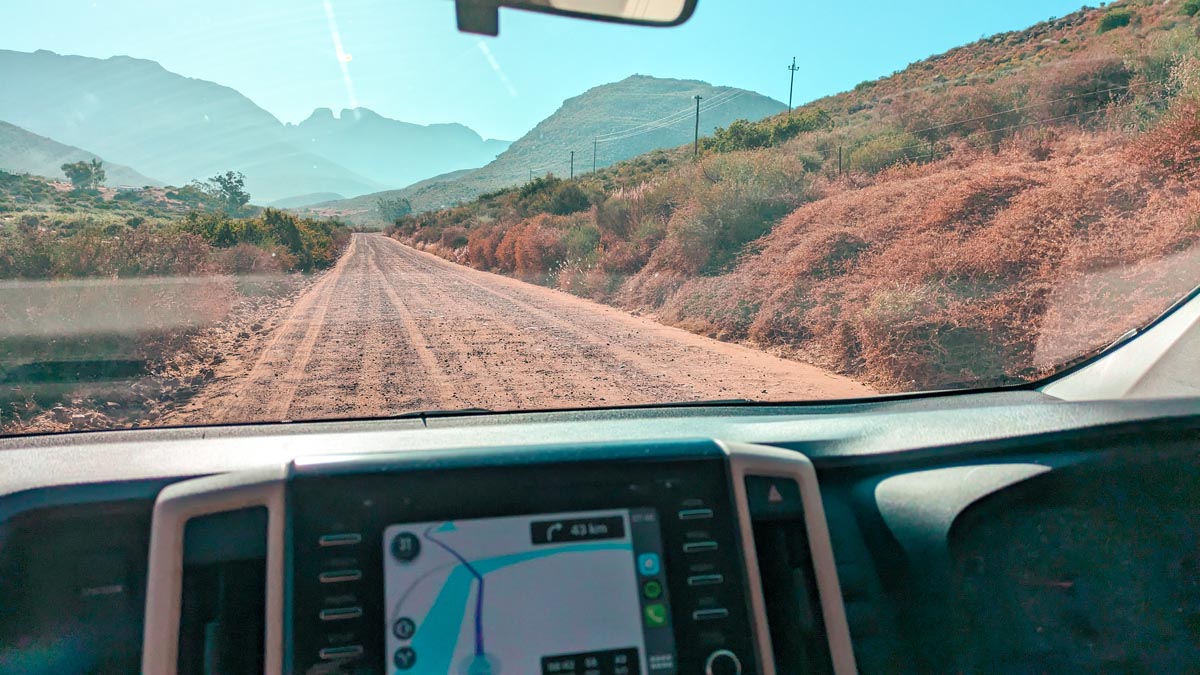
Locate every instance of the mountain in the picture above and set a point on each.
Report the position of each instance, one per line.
(630, 117)
(135, 112)
(389, 151)
(25, 152)
(304, 200)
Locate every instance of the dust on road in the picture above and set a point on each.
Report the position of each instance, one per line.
(391, 329)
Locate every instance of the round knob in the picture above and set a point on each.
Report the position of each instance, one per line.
(722, 662)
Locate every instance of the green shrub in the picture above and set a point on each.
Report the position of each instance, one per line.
(581, 242)
(1191, 7)
(884, 151)
(744, 135)
(1117, 18)
(568, 198)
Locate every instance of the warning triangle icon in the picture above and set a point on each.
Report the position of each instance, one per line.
(773, 495)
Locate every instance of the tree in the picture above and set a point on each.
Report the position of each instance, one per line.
(85, 175)
(230, 189)
(392, 209)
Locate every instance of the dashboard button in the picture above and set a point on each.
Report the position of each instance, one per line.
(340, 613)
(342, 539)
(710, 614)
(338, 576)
(695, 514)
(774, 497)
(723, 662)
(344, 652)
(706, 580)
(699, 546)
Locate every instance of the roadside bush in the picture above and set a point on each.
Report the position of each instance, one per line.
(248, 259)
(312, 244)
(1190, 7)
(568, 198)
(1114, 19)
(454, 237)
(745, 135)
(881, 152)
(1172, 149)
(1085, 85)
(580, 243)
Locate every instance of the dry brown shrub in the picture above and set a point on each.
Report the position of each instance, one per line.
(1172, 149)
(952, 274)
(247, 259)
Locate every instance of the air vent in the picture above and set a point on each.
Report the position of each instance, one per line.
(221, 624)
(789, 586)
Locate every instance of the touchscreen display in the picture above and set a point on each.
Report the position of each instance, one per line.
(556, 594)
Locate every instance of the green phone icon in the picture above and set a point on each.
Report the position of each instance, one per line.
(656, 614)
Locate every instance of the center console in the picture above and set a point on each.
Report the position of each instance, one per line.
(596, 560)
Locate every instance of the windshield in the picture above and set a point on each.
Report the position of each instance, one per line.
(271, 210)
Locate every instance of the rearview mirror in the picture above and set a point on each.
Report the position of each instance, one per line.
(482, 16)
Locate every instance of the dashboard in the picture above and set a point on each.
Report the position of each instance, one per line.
(981, 533)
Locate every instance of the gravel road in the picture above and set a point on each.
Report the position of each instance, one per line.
(391, 329)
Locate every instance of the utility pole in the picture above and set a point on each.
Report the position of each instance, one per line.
(572, 165)
(531, 175)
(792, 83)
(595, 145)
(696, 143)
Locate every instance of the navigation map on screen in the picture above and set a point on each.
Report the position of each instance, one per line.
(556, 594)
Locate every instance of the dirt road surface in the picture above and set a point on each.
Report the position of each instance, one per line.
(391, 329)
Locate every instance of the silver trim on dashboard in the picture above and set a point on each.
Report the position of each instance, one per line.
(177, 504)
(746, 459)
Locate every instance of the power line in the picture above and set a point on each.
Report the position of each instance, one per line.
(668, 120)
(708, 106)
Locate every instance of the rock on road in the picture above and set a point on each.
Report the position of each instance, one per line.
(391, 329)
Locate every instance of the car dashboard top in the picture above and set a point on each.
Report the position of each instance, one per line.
(1003, 532)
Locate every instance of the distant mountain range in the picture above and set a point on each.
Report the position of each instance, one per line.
(135, 112)
(25, 152)
(370, 144)
(625, 119)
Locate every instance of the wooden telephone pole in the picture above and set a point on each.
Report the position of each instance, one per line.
(792, 83)
(696, 143)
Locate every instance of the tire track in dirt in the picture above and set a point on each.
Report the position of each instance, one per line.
(392, 330)
(307, 316)
(443, 390)
(519, 371)
(625, 358)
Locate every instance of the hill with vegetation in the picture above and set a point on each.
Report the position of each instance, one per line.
(24, 152)
(984, 216)
(618, 121)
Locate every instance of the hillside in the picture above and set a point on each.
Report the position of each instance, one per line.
(982, 217)
(630, 117)
(25, 152)
(134, 112)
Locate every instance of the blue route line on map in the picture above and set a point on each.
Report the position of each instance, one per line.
(478, 596)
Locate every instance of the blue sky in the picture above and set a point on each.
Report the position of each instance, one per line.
(406, 60)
